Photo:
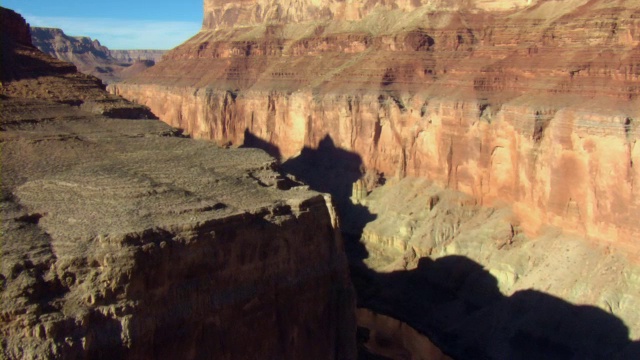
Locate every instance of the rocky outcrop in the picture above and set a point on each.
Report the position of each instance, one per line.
(220, 14)
(115, 246)
(56, 43)
(13, 28)
(125, 239)
(536, 106)
(29, 73)
(91, 57)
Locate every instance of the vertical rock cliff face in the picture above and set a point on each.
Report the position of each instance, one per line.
(130, 256)
(535, 104)
(125, 240)
(224, 13)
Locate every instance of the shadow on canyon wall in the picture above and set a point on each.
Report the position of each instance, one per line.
(457, 304)
(453, 300)
(252, 141)
(332, 170)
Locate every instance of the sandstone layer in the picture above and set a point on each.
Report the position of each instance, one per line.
(532, 104)
(124, 239)
(90, 57)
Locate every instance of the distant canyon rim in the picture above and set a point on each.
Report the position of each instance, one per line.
(91, 57)
(475, 163)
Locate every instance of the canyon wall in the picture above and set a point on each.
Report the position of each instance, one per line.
(469, 278)
(125, 239)
(90, 57)
(131, 56)
(530, 104)
(225, 14)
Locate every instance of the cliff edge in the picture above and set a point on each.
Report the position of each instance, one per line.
(125, 239)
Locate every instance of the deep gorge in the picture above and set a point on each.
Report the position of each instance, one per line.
(335, 180)
(481, 157)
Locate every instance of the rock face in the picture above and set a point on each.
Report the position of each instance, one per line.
(219, 14)
(468, 277)
(535, 105)
(131, 56)
(530, 107)
(124, 239)
(28, 73)
(91, 57)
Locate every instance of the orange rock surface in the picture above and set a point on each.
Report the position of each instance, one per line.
(530, 103)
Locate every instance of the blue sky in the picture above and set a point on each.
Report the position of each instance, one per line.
(117, 24)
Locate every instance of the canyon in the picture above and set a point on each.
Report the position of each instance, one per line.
(535, 107)
(123, 238)
(90, 57)
(425, 179)
(483, 156)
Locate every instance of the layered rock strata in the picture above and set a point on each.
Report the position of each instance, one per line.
(124, 239)
(531, 103)
(91, 57)
(121, 240)
(131, 56)
(26, 72)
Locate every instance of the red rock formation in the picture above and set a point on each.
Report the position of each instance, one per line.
(536, 105)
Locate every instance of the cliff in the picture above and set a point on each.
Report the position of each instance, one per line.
(219, 14)
(530, 109)
(125, 239)
(532, 104)
(26, 72)
(131, 56)
(90, 57)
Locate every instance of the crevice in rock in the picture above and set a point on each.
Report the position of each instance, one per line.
(424, 108)
(33, 218)
(389, 77)
(377, 131)
(398, 101)
(542, 119)
(628, 128)
(450, 162)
